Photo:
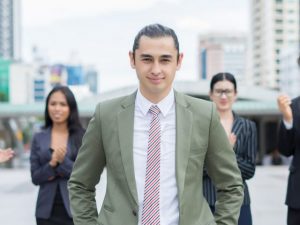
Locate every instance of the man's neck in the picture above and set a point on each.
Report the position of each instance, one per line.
(155, 97)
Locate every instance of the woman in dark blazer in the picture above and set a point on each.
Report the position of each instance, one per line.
(242, 136)
(53, 152)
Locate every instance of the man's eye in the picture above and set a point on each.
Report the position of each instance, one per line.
(165, 60)
(146, 59)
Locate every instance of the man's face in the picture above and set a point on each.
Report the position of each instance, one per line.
(156, 63)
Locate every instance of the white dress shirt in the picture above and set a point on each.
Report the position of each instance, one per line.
(169, 210)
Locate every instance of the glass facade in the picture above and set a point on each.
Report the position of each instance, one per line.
(4, 80)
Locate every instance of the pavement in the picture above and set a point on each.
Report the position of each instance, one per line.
(267, 189)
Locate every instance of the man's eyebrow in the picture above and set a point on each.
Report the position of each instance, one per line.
(167, 56)
(145, 56)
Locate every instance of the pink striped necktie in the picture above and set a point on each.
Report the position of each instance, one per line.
(151, 208)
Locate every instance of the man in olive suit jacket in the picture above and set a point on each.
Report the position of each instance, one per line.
(154, 144)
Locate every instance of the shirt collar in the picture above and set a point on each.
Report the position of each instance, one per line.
(164, 105)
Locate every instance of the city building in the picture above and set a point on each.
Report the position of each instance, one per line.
(30, 83)
(223, 53)
(289, 72)
(4, 80)
(20, 83)
(10, 29)
(92, 79)
(75, 74)
(274, 27)
(41, 83)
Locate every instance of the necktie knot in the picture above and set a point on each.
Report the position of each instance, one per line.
(154, 110)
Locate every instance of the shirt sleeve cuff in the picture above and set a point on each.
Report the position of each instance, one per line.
(288, 125)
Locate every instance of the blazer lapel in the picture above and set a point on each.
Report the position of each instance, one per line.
(45, 141)
(47, 138)
(183, 136)
(125, 125)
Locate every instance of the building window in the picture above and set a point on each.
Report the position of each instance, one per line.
(291, 21)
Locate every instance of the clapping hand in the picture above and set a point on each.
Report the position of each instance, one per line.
(232, 139)
(6, 154)
(58, 156)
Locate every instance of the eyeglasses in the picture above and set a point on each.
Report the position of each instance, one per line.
(227, 92)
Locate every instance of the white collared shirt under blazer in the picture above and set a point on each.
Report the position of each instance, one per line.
(169, 212)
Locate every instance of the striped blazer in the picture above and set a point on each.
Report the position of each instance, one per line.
(245, 149)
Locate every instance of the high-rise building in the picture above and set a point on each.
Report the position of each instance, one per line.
(223, 53)
(75, 74)
(10, 29)
(274, 27)
(20, 83)
(91, 79)
(4, 80)
(289, 72)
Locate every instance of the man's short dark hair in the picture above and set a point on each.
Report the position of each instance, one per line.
(154, 31)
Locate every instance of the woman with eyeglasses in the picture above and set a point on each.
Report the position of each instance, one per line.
(242, 136)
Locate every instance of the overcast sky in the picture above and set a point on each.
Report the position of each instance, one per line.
(101, 32)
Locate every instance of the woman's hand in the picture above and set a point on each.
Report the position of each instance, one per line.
(6, 154)
(232, 139)
(58, 156)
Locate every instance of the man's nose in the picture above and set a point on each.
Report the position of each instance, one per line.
(156, 69)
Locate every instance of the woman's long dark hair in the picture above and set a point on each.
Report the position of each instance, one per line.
(74, 125)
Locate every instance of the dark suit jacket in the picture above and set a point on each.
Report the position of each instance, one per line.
(289, 145)
(41, 171)
(245, 150)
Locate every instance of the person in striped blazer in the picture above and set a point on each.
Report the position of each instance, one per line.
(241, 134)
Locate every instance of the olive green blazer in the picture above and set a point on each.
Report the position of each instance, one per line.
(108, 142)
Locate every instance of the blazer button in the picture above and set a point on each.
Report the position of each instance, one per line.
(134, 212)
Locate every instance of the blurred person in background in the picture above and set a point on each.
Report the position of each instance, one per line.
(242, 136)
(53, 152)
(289, 145)
(6, 154)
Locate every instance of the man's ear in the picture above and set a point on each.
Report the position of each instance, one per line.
(131, 58)
(179, 61)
